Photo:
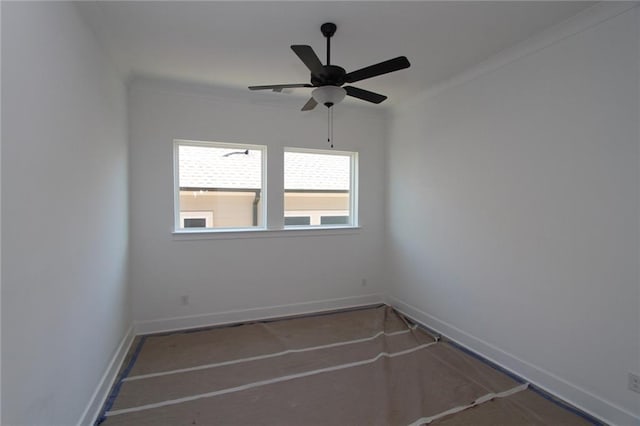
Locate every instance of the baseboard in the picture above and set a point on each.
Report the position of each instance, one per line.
(99, 396)
(574, 395)
(254, 314)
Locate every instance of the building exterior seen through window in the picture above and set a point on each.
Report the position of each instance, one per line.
(318, 187)
(221, 186)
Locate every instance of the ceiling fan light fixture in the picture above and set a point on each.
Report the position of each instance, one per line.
(329, 95)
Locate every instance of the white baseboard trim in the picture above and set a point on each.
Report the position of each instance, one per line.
(549, 382)
(101, 393)
(254, 314)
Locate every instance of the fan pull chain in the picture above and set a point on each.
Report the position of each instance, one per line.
(330, 126)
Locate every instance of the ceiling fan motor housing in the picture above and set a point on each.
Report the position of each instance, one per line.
(331, 75)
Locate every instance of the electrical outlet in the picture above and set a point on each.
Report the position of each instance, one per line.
(634, 382)
(364, 282)
(185, 299)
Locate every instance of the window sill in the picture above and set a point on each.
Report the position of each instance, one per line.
(232, 234)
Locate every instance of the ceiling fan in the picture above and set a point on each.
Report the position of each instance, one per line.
(328, 79)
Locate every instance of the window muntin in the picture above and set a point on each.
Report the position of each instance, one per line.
(320, 184)
(219, 182)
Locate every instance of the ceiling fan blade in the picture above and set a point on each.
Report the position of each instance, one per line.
(385, 67)
(365, 95)
(309, 57)
(311, 104)
(279, 87)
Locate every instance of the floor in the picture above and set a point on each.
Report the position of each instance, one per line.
(361, 367)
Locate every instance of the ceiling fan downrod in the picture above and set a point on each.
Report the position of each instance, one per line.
(328, 30)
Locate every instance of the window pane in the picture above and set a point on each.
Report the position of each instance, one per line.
(219, 186)
(318, 185)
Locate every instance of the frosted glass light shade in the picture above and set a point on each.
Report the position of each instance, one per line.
(329, 95)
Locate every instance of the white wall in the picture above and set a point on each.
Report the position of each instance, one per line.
(261, 271)
(65, 301)
(522, 236)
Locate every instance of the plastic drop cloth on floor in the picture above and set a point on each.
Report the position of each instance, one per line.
(361, 367)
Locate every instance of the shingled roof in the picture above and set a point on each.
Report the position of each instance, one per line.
(208, 167)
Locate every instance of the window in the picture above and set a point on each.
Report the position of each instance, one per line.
(218, 185)
(196, 219)
(320, 185)
(297, 220)
(221, 187)
(334, 220)
(195, 223)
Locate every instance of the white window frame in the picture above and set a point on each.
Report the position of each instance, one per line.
(353, 186)
(177, 229)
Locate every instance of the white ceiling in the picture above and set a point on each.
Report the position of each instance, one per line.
(237, 44)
